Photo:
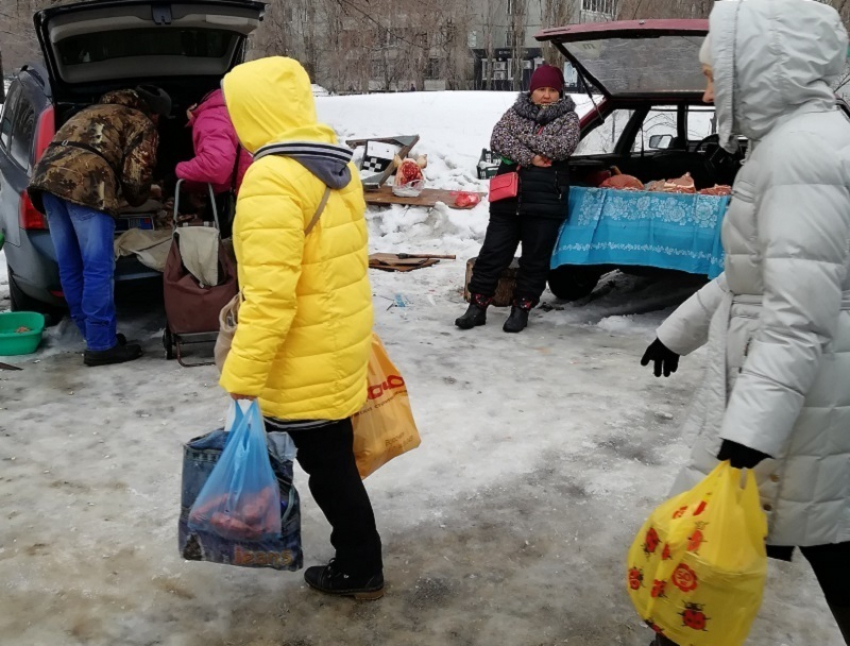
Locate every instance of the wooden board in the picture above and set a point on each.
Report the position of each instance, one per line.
(386, 263)
(428, 198)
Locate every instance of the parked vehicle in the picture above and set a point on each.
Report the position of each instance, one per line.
(90, 48)
(648, 118)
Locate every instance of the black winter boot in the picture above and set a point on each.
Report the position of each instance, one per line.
(518, 320)
(121, 353)
(476, 313)
(331, 580)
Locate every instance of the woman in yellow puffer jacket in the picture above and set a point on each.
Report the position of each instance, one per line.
(305, 324)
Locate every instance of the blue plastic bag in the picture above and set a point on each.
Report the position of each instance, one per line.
(200, 457)
(241, 498)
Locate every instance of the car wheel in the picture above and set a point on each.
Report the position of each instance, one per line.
(572, 282)
(22, 303)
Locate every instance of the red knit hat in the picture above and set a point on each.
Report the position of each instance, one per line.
(547, 76)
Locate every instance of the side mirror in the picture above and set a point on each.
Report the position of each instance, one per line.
(660, 142)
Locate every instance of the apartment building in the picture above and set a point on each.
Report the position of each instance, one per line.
(502, 40)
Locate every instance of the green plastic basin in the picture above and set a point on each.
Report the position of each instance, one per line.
(14, 343)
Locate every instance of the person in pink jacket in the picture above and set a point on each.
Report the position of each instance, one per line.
(216, 147)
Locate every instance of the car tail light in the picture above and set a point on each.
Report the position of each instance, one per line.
(30, 218)
(45, 132)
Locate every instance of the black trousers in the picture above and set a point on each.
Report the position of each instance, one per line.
(327, 456)
(831, 564)
(504, 233)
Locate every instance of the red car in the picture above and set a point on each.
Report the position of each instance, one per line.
(648, 118)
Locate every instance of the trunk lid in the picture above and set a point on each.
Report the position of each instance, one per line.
(635, 59)
(89, 46)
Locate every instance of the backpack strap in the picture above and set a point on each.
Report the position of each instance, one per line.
(319, 211)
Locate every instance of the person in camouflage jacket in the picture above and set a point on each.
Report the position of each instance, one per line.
(104, 155)
(535, 138)
(102, 158)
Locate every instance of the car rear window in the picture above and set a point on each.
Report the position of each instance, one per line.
(104, 46)
(8, 114)
(626, 66)
(23, 133)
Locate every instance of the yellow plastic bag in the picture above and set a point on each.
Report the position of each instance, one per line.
(696, 570)
(384, 427)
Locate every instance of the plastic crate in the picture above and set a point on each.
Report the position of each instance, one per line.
(488, 164)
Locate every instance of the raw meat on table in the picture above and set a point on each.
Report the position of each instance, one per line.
(622, 182)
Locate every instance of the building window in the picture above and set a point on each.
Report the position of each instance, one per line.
(604, 7)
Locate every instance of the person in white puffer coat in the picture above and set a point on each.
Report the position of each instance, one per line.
(776, 396)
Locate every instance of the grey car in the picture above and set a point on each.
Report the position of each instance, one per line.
(185, 47)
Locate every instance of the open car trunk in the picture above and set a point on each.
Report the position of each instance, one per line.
(635, 59)
(634, 67)
(90, 47)
(184, 47)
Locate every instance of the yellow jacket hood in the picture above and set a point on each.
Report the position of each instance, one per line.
(271, 105)
(270, 100)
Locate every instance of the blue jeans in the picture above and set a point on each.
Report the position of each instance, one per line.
(83, 238)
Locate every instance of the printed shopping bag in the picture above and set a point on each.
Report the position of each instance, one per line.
(239, 505)
(384, 427)
(696, 570)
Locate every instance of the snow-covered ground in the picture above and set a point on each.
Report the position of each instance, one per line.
(542, 454)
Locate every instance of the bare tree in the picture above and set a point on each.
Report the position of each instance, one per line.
(17, 33)
(273, 37)
(489, 17)
(556, 13)
(517, 26)
(367, 45)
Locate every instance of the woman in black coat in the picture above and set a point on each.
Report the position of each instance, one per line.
(535, 139)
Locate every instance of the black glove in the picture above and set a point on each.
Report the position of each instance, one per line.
(741, 457)
(666, 361)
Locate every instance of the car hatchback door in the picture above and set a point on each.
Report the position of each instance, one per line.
(88, 44)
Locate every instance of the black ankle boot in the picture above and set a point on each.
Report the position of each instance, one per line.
(476, 313)
(331, 580)
(121, 353)
(518, 320)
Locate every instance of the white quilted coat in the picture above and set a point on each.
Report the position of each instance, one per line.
(777, 322)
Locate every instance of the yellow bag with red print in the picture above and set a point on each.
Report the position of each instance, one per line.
(384, 427)
(696, 570)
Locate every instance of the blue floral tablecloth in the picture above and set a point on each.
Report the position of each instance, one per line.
(663, 230)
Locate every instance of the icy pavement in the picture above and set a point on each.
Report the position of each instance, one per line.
(542, 453)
